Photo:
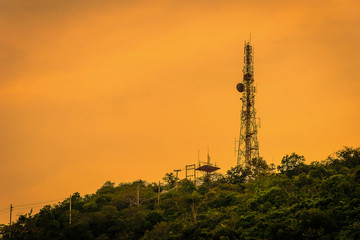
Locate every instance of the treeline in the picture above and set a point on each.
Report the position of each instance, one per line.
(294, 200)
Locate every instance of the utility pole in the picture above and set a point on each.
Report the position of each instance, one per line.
(195, 174)
(193, 211)
(159, 194)
(70, 212)
(11, 209)
(199, 158)
(138, 195)
(176, 179)
(190, 168)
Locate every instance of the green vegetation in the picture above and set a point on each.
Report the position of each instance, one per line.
(316, 201)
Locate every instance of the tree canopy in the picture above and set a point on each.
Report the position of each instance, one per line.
(320, 200)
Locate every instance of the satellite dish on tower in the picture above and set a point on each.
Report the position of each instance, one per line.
(240, 87)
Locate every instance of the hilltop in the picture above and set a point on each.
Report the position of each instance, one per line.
(294, 200)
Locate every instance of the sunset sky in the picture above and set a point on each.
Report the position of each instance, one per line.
(123, 90)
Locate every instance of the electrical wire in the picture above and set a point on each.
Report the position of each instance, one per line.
(6, 209)
(39, 203)
(29, 205)
(35, 206)
(4, 212)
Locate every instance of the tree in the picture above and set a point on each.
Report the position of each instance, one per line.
(238, 174)
(315, 223)
(350, 156)
(108, 187)
(170, 179)
(258, 166)
(290, 163)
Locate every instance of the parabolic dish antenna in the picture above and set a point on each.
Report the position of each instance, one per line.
(240, 87)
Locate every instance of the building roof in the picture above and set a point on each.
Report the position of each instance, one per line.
(207, 168)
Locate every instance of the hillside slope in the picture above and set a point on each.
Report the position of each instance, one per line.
(316, 201)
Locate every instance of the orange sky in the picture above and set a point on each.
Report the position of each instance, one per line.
(120, 90)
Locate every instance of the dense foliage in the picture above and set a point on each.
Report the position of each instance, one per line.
(316, 201)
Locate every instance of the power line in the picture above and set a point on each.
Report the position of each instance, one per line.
(36, 206)
(4, 212)
(31, 204)
(6, 209)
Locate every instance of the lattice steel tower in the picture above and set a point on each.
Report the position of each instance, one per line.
(248, 147)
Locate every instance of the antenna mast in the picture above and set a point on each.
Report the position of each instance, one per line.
(248, 147)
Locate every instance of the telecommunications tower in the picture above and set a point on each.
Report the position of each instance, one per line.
(248, 147)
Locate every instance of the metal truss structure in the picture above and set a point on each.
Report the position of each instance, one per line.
(248, 147)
